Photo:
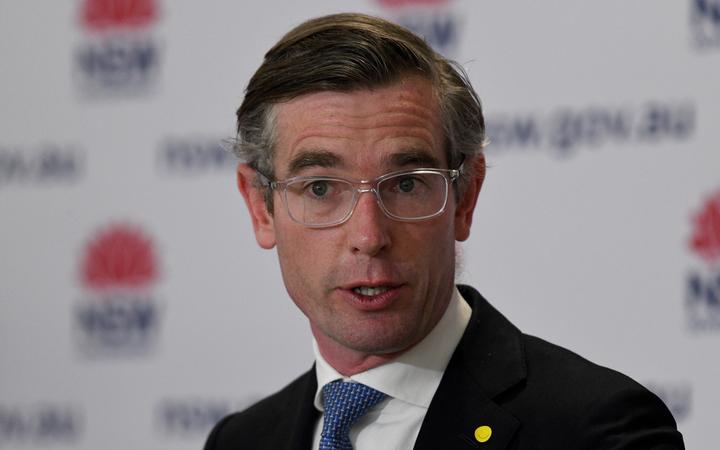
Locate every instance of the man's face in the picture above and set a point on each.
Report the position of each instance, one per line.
(361, 135)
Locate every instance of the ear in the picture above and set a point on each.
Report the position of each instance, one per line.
(262, 220)
(466, 203)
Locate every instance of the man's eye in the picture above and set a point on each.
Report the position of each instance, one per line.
(319, 188)
(406, 184)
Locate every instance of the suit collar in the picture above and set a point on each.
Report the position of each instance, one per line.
(491, 349)
(488, 362)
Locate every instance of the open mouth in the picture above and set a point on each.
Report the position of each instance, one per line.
(369, 291)
(373, 297)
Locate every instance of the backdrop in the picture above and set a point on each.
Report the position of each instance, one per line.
(136, 308)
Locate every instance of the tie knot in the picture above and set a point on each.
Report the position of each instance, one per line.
(344, 402)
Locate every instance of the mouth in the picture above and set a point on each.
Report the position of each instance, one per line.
(372, 296)
(370, 291)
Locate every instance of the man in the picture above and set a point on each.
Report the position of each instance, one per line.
(363, 164)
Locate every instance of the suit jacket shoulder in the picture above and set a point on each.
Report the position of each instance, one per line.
(585, 406)
(537, 395)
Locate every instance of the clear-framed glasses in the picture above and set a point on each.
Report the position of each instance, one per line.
(325, 201)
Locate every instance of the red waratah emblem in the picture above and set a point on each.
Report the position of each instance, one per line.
(119, 256)
(104, 14)
(400, 3)
(705, 240)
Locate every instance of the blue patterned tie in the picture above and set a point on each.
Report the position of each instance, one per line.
(344, 403)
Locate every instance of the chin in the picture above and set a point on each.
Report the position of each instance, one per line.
(375, 342)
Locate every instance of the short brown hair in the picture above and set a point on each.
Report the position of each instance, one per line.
(344, 52)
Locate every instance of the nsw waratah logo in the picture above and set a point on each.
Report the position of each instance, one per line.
(119, 313)
(118, 54)
(702, 301)
(433, 20)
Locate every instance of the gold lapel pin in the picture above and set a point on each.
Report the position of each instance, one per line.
(483, 433)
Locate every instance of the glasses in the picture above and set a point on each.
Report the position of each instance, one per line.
(408, 196)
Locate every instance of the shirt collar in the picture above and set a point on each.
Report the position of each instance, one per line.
(414, 376)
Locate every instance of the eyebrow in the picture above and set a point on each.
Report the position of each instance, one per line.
(323, 158)
(312, 158)
(413, 157)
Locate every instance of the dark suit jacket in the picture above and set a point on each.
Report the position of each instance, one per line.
(534, 395)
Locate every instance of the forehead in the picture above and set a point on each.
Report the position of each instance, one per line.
(364, 128)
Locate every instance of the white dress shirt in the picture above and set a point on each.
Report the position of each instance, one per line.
(410, 381)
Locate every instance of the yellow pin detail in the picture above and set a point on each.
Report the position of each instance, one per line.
(483, 433)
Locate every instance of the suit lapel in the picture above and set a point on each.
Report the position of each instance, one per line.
(488, 361)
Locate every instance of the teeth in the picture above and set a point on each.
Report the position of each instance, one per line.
(369, 291)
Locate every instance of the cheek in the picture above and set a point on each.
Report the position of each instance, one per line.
(291, 249)
(432, 245)
(295, 272)
(302, 254)
(443, 253)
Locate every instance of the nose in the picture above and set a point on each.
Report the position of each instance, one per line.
(368, 228)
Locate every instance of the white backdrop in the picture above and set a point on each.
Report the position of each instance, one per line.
(135, 306)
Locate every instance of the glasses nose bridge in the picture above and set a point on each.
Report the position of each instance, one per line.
(364, 187)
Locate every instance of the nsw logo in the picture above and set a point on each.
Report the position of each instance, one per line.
(42, 165)
(433, 20)
(702, 302)
(119, 54)
(40, 426)
(705, 22)
(193, 156)
(119, 314)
